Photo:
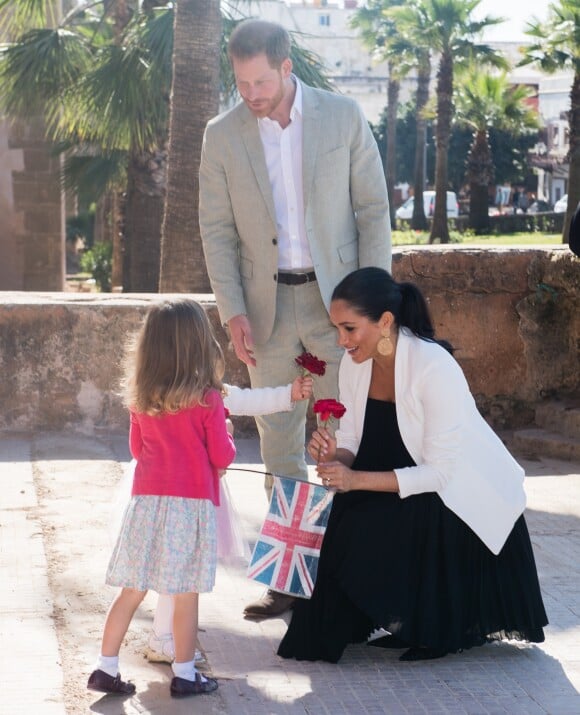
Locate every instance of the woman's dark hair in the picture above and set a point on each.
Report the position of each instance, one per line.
(372, 291)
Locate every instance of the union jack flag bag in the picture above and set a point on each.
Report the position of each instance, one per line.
(286, 554)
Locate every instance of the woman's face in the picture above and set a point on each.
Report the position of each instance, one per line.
(356, 334)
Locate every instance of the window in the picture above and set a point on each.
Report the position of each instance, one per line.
(324, 20)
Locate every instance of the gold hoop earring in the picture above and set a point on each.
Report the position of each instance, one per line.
(385, 346)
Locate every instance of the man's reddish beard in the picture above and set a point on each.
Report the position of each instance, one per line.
(265, 107)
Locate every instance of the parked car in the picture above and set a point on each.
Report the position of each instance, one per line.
(561, 205)
(539, 206)
(406, 210)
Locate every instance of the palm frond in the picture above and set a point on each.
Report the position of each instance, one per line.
(92, 173)
(122, 103)
(37, 71)
(15, 17)
(307, 65)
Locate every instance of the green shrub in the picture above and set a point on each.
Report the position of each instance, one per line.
(98, 261)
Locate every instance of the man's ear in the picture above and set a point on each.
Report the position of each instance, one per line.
(286, 68)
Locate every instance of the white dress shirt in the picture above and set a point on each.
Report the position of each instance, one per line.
(283, 152)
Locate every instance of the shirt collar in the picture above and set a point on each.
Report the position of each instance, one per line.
(297, 104)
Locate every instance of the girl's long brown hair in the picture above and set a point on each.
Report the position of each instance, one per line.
(175, 359)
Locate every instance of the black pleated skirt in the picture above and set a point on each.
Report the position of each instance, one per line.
(412, 567)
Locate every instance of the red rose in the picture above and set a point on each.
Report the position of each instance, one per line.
(328, 409)
(311, 364)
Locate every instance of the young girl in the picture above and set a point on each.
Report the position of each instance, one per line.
(238, 401)
(179, 439)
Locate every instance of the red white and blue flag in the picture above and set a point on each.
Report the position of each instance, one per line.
(286, 554)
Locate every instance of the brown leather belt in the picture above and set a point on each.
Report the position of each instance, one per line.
(296, 279)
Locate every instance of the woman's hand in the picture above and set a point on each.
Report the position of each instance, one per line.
(322, 446)
(336, 476)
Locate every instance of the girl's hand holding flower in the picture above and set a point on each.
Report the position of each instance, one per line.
(302, 388)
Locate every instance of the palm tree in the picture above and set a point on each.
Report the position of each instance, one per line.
(378, 33)
(182, 261)
(102, 83)
(484, 101)
(556, 46)
(451, 33)
(409, 45)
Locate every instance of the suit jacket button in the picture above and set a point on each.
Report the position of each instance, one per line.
(275, 277)
(275, 241)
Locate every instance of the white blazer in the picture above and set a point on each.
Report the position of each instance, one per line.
(457, 453)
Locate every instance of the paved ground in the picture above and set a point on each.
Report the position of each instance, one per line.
(58, 511)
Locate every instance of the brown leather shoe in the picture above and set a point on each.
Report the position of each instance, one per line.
(104, 683)
(272, 604)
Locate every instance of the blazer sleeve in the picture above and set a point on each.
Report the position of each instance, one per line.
(258, 400)
(220, 445)
(370, 202)
(219, 235)
(444, 399)
(347, 436)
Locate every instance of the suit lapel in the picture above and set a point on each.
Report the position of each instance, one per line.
(255, 155)
(310, 139)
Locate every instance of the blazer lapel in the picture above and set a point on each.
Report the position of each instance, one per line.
(255, 155)
(310, 139)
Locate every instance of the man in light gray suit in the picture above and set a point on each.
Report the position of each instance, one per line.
(292, 198)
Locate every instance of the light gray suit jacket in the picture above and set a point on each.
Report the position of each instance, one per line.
(345, 205)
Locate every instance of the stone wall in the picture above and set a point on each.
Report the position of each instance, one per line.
(512, 314)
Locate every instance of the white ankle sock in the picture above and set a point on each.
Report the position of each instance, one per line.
(187, 670)
(109, 664)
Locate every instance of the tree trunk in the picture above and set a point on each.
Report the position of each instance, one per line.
(419, 220)
(107, 228)
(439, 228)
(194, 100)
(574, 156)
(480, 174)
(146, 182)
(393, 88)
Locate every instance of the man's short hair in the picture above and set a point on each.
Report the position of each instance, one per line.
(257, 37)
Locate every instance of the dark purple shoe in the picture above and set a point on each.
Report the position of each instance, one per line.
(183, 688)
(104, 683)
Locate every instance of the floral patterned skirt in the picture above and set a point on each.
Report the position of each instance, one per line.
(166, 544)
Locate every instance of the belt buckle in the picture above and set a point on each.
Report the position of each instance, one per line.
(305, 275)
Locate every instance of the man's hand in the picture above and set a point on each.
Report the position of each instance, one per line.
(241, 336)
